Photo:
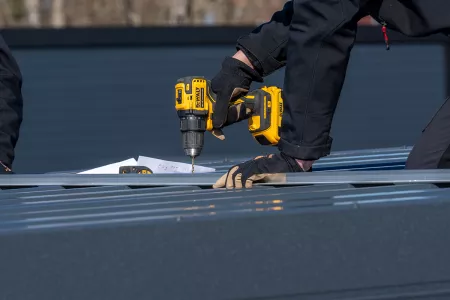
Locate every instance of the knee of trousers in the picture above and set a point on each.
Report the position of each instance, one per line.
(305, 151)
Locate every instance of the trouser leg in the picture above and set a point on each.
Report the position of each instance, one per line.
(11, 103)
(432, 150)
(321, 36)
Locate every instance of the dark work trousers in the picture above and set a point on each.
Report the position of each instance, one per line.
(11, 104)
(321, 36)
(320, 40)
(432, 150)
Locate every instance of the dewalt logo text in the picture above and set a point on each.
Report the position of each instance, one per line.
(200, 97)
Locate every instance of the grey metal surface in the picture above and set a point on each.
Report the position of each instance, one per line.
(269, 242)
(370, 159)
(208, 179)
(44, 201)
(186, 242)
(90, 208)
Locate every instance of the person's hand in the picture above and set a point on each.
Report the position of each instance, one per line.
(232, 81)
(262, 169)
(4, 169)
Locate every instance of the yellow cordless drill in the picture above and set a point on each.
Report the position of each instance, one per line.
(194, 104)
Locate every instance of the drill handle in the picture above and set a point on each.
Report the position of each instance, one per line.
(266, 106)
(250, 100)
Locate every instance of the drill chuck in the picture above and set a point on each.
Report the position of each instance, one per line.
(192, 143)
(192, 131)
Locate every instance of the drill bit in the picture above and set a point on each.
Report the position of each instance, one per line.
(192, 165)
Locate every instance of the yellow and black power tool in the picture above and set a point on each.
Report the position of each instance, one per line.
(194, 102)
(135, 170)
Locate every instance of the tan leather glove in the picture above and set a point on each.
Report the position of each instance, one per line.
(261, 169)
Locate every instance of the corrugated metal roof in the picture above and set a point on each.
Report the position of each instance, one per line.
(51, 206)
(90, 207)
(319, 241)
(370, 159)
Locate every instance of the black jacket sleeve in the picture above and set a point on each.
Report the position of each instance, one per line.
(265, 46)
(11, 103)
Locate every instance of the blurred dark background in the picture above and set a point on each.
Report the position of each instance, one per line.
(86, 106)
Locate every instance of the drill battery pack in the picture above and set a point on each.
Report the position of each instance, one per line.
(135, 170)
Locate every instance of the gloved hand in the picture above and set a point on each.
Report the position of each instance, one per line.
(4, 169)
(262, 169)
(232, 82)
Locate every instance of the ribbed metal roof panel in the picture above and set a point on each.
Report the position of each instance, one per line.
(318, 241)
(370, 159)
(92, 208)
(51, 207)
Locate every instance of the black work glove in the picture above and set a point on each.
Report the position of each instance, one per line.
(232, 81)
(264, 169)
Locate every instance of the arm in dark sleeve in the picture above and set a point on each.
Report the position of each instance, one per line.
(11, 104)
(265, 46)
